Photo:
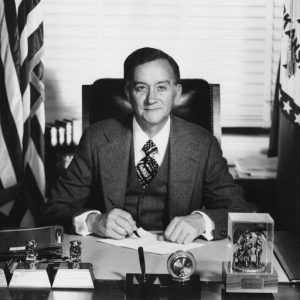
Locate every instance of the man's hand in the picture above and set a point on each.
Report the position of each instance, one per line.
(116, 224)
(184, 230)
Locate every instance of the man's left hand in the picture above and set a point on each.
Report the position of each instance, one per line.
(185, 229)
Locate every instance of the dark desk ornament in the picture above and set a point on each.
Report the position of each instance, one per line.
(30, 273)
(74, 273)
(181, 278)
(249, 266)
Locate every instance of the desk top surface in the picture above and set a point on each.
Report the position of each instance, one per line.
(112, 262)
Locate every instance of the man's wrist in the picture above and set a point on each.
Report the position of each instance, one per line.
(208, 225)
(80, 224)
(91, 220)
(201, 227)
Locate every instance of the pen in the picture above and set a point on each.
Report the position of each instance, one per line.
(136, 233)
(142, 263)
(115, 206)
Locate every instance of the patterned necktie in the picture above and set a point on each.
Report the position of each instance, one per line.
(147, 167)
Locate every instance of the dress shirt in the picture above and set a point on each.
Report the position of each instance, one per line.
(140, 138)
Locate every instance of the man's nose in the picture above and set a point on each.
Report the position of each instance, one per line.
(151, 96)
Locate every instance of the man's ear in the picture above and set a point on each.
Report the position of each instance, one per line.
(178, 91)
(126, 89)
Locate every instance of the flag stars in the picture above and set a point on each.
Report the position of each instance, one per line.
(297, 118)
(287, 107)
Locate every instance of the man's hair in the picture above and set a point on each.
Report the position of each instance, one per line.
(144, 55)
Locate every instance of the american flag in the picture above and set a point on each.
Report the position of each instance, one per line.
(22, 114)
(290, 62)
(285, 135)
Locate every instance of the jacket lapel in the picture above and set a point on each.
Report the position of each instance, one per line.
(114, 163)
(183, 169)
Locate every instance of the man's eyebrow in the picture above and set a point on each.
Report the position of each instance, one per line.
(138, 82)
(164, 81)
(159, 82)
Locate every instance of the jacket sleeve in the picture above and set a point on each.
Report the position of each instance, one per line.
(221, 195)
(70, 195)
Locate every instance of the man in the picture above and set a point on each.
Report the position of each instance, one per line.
(150, 170)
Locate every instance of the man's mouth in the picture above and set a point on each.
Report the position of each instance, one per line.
(152, 108)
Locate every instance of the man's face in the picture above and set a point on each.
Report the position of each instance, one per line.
(152, 93)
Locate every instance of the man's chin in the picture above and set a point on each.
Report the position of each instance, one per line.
(154, 119)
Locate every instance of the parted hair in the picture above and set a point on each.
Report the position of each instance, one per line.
(144, 55)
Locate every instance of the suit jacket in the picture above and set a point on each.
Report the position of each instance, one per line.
(97, 175)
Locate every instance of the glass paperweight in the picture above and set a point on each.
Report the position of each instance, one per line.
(249, 265)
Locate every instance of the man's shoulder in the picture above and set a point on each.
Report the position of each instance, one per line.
(192, 129)
(108, 128)
(111, 124)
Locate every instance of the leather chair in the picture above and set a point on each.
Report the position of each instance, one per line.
(199, 102)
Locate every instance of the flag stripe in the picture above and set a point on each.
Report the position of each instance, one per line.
(36, 198)
(37, 137)
(22, 108)
(35, 41)
(12, 31)
(34, 18)
(35, 164)
(11, 80)
(7, 173)
(11, 147)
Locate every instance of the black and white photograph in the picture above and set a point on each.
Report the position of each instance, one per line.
(149, 149)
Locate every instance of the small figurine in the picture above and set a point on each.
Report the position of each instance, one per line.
(31, 255)
(75, 254)
(247, 248)
(248, 252)
(258, 250)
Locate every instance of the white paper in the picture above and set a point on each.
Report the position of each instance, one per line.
(150, 243)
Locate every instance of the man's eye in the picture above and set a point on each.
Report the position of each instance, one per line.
(161, 88)
(141, 88)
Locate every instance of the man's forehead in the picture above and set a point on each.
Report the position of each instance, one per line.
(158, 62)
(159, 68)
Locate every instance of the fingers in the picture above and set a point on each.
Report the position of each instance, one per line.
(184, 230)
(179, 232)
(116, 224)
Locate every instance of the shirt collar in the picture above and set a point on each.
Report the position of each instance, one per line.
(160, 139)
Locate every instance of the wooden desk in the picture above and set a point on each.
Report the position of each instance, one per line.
(112, 263)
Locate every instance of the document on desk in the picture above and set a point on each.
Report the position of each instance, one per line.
(150, 243)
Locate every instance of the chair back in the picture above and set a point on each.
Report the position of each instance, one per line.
(199, 102)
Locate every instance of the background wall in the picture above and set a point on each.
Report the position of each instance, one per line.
(235, 43)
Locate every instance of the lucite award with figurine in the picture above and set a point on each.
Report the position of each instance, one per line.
(249, 266)
(74, 273)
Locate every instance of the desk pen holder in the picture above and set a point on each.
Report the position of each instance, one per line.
(249, 266)
(181, 278)
(161, 286)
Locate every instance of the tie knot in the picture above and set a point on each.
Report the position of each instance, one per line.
(149, 148)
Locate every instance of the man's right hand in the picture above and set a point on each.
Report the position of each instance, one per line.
(116, 224)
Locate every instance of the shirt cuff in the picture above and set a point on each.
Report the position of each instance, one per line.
(209, 225)
(79, 222)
